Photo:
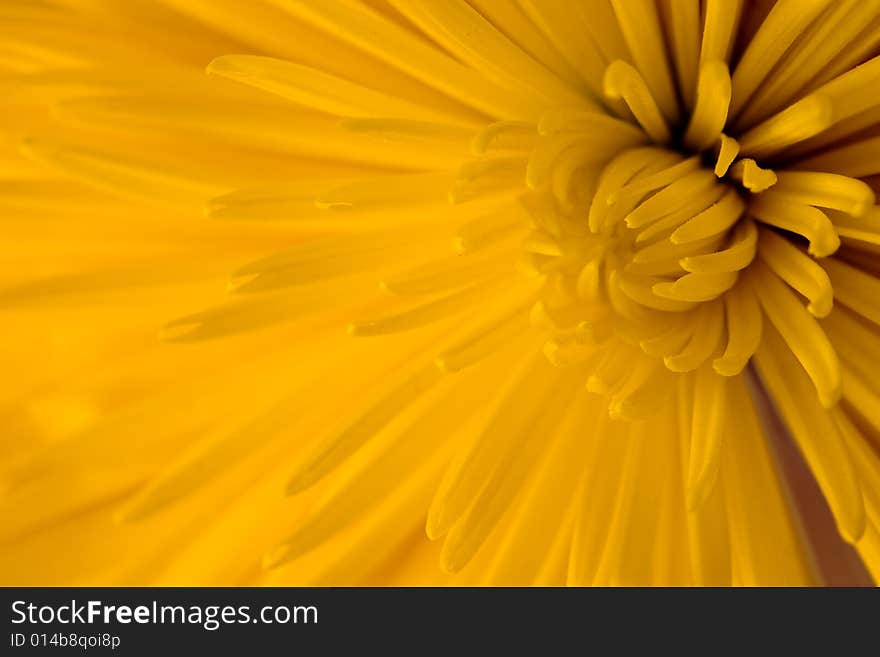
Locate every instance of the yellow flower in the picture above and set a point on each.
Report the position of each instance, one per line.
(541, 279)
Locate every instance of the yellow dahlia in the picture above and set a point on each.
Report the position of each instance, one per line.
(447, 292)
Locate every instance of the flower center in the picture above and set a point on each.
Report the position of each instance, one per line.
(662, 242)
(642, 234)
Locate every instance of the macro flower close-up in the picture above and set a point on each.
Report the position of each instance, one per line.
(440, 292)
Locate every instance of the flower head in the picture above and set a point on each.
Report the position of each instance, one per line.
(537, 277)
